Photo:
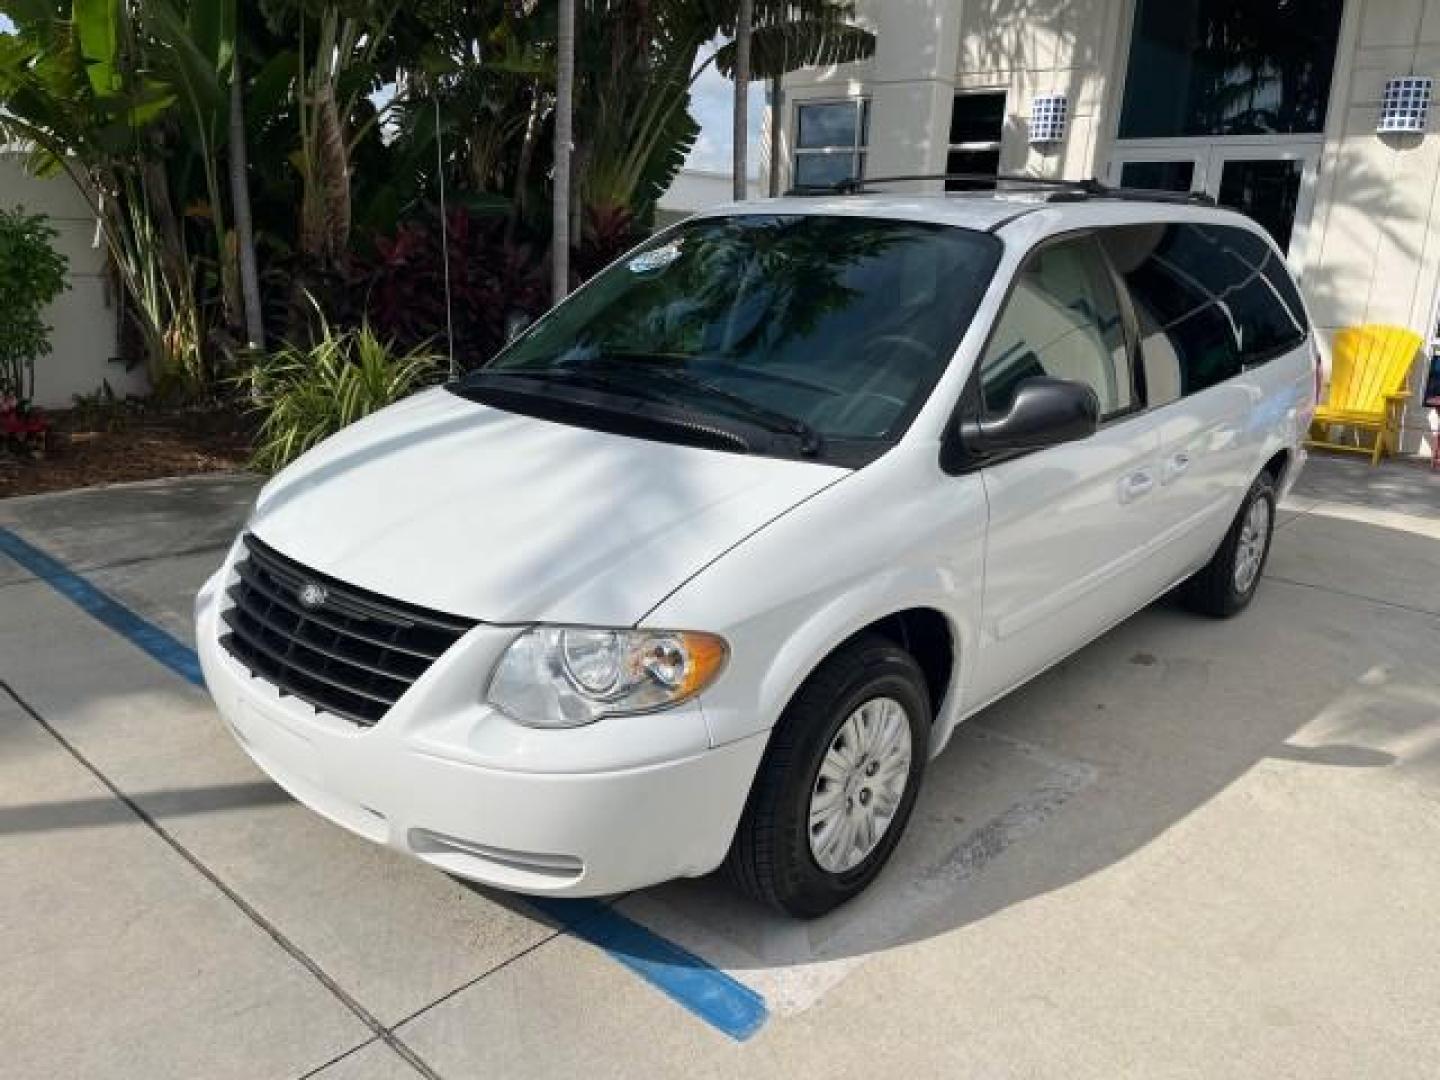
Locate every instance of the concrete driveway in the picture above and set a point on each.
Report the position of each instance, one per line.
(1193, 849)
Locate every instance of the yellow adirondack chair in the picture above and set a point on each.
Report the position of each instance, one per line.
(1367, 387)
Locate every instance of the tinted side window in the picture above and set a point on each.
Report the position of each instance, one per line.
(1209, 299)
(1187, 336)
(1062, 319)
(1265, 301)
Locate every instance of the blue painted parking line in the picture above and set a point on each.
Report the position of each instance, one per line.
(709, 993)
(143, 634)
(706, 991)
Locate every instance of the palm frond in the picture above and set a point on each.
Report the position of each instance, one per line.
(780, 49)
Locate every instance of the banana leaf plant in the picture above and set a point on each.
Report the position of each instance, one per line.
(640, 59)
(488, 64)
(129, 99)
(74, 92)
(636, 62)
(337, 66)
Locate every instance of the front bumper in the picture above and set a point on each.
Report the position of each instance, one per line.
(621, 804)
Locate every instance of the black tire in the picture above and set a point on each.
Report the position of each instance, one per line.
(1213, 590)
(770, 857)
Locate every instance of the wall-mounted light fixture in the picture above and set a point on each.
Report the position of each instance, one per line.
(1406, 105)
(1048, 116)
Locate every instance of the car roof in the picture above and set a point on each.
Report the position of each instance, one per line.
(987, 211)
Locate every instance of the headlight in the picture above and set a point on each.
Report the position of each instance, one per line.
(557, 676)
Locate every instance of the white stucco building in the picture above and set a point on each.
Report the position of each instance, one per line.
(85, 316)
(1271, 106)
(696, 189)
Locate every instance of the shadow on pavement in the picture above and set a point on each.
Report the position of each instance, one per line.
(1166, 711)
(107, 810)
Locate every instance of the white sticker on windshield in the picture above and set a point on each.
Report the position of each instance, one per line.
(657, 259)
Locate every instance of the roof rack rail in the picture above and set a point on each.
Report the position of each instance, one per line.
(1059, 190)
(1126, 194)
(983, 181)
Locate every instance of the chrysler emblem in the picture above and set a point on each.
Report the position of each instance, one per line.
(312, 595)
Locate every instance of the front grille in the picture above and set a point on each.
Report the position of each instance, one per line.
(351, 654)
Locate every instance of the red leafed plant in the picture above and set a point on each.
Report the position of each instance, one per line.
(21, 427)
(607, 235)
(494, 279)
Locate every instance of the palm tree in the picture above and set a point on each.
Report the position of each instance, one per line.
(244, 225)
(785, 36)
(564, 104)
(744, 27)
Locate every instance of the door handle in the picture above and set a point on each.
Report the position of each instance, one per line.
(1136, 485)
(1176, 465)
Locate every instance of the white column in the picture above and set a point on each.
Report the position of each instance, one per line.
(913, 84)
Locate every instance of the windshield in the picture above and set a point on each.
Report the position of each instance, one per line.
(822, 328)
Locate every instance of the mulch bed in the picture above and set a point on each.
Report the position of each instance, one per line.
(88, 446)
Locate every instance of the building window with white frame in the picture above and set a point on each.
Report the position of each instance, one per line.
(830, 141)
(977, 125)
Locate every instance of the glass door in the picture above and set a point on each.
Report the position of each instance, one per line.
(1275, 185)
(1230, 98)
(1159, 169)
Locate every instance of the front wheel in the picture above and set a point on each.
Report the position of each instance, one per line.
(838, 781)
(1228, 582)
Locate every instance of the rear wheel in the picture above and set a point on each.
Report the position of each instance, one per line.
(1228, 582)
(838, 781)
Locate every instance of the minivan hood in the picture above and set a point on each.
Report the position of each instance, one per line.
(467, 509)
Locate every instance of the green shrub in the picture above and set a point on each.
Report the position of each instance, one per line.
(32, 273)
(307, 394)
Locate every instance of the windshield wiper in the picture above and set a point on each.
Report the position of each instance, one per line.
(811, 442)
(687, 421)
(580, 377)
(589, 378)
(612, 374)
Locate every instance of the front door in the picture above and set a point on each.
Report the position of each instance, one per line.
(1069, 526)
(1272, 183)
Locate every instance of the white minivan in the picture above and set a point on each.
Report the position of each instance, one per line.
(703, 567)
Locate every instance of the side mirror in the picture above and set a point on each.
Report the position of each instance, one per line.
(1045, 412)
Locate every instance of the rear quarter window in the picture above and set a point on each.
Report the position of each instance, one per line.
(1211, 300)
(1266, 304)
